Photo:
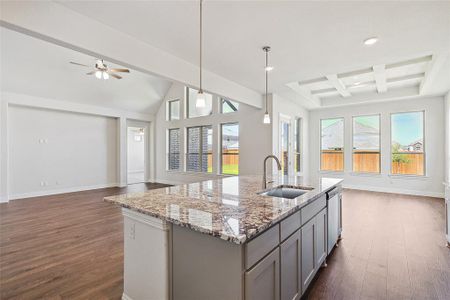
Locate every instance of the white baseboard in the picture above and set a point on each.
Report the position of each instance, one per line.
(171, 182)
(3, 199)
(393, 190)
(61, 191)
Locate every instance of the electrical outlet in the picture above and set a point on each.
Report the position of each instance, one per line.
(133, 231)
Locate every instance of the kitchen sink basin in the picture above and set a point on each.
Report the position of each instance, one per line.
(286, 191)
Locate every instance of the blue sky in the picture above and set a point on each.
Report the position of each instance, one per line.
(407, 127)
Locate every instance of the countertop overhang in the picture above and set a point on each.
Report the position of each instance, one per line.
(228, 208)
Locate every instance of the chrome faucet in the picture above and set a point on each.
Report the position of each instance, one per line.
(264, 184)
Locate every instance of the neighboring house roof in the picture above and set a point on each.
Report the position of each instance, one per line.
(332, 136)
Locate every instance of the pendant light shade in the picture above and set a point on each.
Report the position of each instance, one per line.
(201, 101)
(267, 69)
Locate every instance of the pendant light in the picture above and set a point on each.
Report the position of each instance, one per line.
(267, 69)
(201, 101)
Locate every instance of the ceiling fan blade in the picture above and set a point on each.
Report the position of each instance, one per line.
(74, 63)
(90, 73)
(119, 70)
(114, 75)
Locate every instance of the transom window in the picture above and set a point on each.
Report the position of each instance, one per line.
(199, 149)
(366, 144)
(407, 143)
(332, 144)
(174, 110)
(229, 106)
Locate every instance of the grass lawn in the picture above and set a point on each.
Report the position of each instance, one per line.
(227, 169)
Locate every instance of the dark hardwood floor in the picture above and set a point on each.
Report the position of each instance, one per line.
(67, 246)
(71, 247)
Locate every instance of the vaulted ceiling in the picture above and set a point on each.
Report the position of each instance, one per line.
(34, 67)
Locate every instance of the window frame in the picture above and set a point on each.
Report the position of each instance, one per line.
(391, 174)
(298, 139)
(379, 143)
(343, 146)
(187, 99)
(169, 153)
(221, 149)
(169, 110)
(200, 153)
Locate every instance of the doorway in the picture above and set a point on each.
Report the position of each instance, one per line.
(136, 154)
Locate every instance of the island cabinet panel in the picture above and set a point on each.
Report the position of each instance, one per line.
(308, 244)
(258, 247)
(205, 267)
(290, 225)
(321, 237)
(333, 221)
(262, 282)
(290, 267)
(309, 211)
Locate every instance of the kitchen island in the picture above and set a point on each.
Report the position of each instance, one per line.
(227, 239)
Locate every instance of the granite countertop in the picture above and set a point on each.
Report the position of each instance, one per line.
(228, 208)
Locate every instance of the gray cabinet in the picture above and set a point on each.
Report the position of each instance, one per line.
(308, 242)
(262, 282)
(290, 267)
(321, 238)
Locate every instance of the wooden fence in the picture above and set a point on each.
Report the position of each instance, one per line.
(369, 161)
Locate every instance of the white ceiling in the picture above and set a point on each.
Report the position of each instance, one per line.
(35, 67)
(308, 39)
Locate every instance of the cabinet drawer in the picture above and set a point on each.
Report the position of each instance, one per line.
(261, 246)
(289, 225)
(313, 208)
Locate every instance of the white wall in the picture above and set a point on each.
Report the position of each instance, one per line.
(431, 184)
(447, 138)
(53, 150)
(254, 138)
(286, 108)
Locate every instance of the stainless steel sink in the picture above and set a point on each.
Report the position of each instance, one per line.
(286, 191)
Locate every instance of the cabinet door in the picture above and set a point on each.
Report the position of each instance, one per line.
(308, 242)
(321, 237)
(262, 282)
(290, 268)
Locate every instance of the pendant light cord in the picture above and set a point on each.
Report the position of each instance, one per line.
(267, 75)
(201, 41)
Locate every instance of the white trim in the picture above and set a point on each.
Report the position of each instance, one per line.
(393, 190)
(172, 182)
(145, 219)
(125, 297)
(61, 191)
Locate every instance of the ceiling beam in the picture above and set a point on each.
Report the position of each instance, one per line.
(338, 85)
(304, 93)
(433, 67)
(379, 72)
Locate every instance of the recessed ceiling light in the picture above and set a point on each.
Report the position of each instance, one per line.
(370, 41)
(268, 68)
(357, 83)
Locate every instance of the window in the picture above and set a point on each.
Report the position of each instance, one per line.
(174, 110)
(230, 149)
(174, 149)
(407, 143)
(284, 145)
(332, 144)
(297, 144)
(199, 149)
(192, 110)
(366, 144)
(229, 106)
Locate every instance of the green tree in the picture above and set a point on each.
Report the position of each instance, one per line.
(398, 157)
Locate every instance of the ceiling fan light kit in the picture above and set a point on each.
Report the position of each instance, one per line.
(101, 70)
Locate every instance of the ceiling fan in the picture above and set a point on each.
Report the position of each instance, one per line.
(102, 71)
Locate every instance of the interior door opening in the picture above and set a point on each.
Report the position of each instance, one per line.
(136, 162)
